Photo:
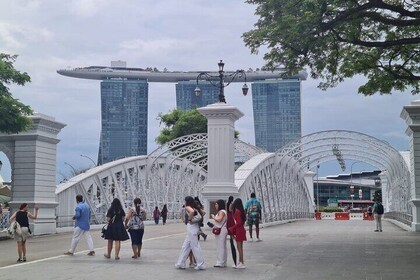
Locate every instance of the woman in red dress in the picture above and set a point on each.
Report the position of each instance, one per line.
(238, 230)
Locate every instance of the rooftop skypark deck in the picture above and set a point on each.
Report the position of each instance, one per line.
(104, 73)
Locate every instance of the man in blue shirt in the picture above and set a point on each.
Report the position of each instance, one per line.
(81, 227)
(253, 211)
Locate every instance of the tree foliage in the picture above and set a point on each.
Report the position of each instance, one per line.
(13, 113)
(338, 39)
(178, 123)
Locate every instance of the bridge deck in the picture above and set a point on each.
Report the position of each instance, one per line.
(324, 249)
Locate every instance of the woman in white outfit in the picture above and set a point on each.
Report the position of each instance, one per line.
(220, 221)
(191, 240)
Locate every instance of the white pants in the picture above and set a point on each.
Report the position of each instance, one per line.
(191, 244)
(77, 235)
(378, 221)
(221, 248)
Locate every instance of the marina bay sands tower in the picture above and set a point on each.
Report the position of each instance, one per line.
(124, 105)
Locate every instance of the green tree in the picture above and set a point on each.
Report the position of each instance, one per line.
(178, 123)
(338, 39)
(13, 113)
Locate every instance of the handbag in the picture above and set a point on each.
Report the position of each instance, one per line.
(105, 227)
(196, 218)
(216, 230)
(14, 228)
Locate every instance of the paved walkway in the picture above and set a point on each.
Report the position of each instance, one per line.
(301, 250)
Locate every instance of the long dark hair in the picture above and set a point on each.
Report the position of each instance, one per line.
(137, 202)
(189, 201)
(198, 203)
(221, 204)
(116, 206)
(238, 205)
(229, 202)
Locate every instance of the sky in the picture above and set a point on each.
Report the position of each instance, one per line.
(187, 35)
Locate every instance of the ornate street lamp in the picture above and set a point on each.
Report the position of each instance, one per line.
(222, 80)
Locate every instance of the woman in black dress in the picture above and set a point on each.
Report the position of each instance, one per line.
(116, 230)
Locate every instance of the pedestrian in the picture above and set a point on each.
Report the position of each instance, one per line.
(22, 217)
(184, 218)
(231, 222)
(200, 224)
(156, 215)
(81, 227)
(220, 220)
(134, 222)
(116, 230)
(378, 211)
(164, 214)
(238, 230)
(182, 213)
(191, 240)
(253, 211)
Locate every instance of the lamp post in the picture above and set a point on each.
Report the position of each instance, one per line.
(94, 164)
(74, 170)
(317, 187)
(222, 80)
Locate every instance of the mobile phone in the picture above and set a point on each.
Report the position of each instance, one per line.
(210, 224)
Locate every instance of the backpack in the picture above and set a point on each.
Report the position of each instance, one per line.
(136, 221)
(380, 209)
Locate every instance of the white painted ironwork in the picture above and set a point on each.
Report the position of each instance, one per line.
(317, 148)
(178, 169)
(166, 176)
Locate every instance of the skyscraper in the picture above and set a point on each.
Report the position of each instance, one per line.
(186, 98)
(124, 119)
(277, 112)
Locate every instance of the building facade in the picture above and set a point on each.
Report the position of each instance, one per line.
(124, 119)
(186, 98)
(277, 112)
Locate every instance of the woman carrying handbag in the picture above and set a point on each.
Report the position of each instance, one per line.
(220, 222)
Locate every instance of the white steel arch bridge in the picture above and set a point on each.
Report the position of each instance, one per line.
(280, 180)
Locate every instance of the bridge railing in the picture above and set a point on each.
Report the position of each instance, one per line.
(401, 217)
(4, 221)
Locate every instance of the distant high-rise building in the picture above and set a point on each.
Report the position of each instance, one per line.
(124, 119)
(186, 98)
(277, 112)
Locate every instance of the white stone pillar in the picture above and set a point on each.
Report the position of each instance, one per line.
(34, 171)
(220, 162)
(411, 115)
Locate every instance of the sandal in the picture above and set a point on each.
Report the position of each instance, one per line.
(117, 258)
(134, 257)
(107, 256)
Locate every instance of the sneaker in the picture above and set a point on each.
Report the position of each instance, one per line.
(68, 254)
(219, 265)
(91, 253)
(376, 230)
(192, 265)
(380, 230)
(240, 266)
(19, 260)
(200, 267)
(178, 266)
(251, 239)
(234, 266)
(24, 259)
(259, 240)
